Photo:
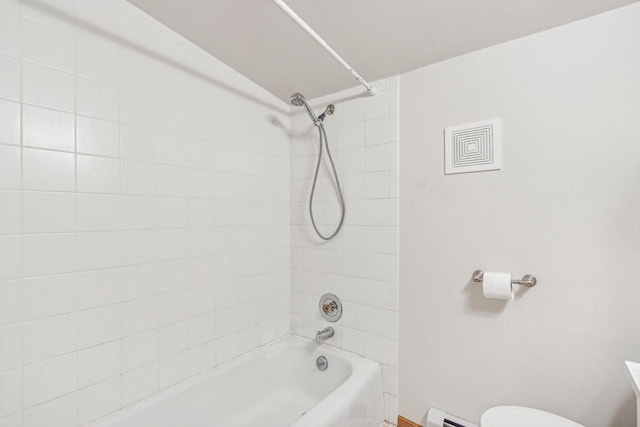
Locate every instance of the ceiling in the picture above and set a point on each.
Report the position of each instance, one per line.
(379, 38)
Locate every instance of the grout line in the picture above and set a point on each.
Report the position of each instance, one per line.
(21, 83)
(76, 211)
(121, 219)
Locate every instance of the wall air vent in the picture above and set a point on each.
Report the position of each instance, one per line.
(473, 147)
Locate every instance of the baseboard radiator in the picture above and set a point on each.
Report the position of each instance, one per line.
(438, 418)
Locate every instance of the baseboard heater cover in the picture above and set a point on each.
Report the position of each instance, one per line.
(438, 418)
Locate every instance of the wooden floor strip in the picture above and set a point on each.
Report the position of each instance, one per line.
(404, 422)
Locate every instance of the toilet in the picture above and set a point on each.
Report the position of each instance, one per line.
(510, 416)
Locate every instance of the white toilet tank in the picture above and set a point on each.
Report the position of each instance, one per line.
(520, 416)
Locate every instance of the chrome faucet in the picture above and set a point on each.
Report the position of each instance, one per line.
(322, 335)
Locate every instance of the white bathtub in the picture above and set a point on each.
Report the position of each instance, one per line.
(277, 385)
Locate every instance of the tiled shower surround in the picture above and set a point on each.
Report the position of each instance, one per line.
(144, 211)
(361, 264)
(153, 213)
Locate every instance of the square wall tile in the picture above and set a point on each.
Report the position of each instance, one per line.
(96, 60)
(139, 212)
(45, 128)
(139, 143)
(10, 33)
(96, 364)
(10, 391)
(139, 315)
(99, 400)
(139, 178)
(11, 302)
(10, 212)
(46, 338)
(9, 78)
(49, 254)
(139, 350)
(10, 167)
(377, 185)
(99, 137)
(98, 250)
(98, 288)
(47, 296)
(139, 383)
(62, 411)
(99, 325)
(54, 16)
(10, 257)
(202, 357)
(173, 338)
(377, 106)
(139, 247)
(47, 45)
(139, 281)
(98, 212)
(173, 369)
(377, 158)
(138, 109)
(11, 355)
(48, 87)
(9, 122)
(172, 149)
(49, 212)
(48, 170)
(49, 379)
(378, 131)
(98, 174)
(96, 99)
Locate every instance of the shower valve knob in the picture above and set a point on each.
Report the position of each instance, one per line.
(330, 307)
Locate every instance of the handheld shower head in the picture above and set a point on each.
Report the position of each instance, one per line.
(327, 112)
(297, 99)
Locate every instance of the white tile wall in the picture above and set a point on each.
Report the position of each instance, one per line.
(144, 219)
(361, 264)
(145, 233)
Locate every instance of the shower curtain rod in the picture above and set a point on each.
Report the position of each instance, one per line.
(294, 16)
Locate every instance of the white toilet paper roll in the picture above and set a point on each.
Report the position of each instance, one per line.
(497, 285)
(435, 418)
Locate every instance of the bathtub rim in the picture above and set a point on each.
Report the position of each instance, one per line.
(359, 365)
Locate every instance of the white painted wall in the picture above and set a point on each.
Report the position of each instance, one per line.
(360, 264)
(566, 207)
(144, 211)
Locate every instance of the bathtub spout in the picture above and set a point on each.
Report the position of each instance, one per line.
(322, 335)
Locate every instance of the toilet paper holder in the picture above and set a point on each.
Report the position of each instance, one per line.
(528, 280)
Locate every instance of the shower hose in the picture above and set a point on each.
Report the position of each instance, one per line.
(323, 140)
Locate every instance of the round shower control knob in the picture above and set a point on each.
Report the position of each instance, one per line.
(330, 307)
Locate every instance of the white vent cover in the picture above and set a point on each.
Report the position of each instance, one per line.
(473, 147)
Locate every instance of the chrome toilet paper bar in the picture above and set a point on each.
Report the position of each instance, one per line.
(528, 280)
